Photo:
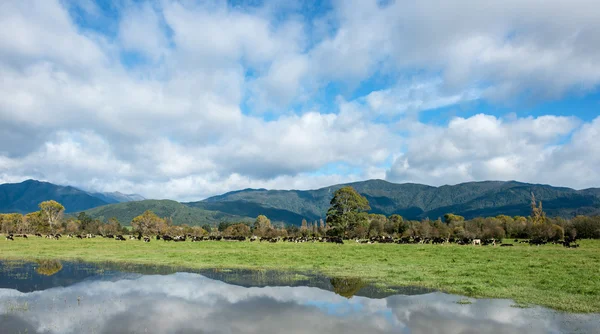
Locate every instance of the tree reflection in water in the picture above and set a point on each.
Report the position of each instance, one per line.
(48, 267)
(347, 286)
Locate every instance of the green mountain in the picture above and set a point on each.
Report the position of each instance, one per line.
(24, 197)
(179, 213)
(412, 201)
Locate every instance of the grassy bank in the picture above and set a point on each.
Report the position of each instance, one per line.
(552, 276)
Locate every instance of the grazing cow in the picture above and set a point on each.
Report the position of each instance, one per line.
(179, 238)
(25, 236)
(537, 242)
(476, 242)
(131, 237)
(506, 245)
(10, 237)
(167, 238)
(146, 239)
(486, 242)
(120, 237)
(38, 235)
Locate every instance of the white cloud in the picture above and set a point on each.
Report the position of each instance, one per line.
(207, 109)
(141, 30)
(484, 147)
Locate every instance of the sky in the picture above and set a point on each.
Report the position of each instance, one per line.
(185, 99)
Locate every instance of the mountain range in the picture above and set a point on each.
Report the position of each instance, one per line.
(24, 197)
(410, 200)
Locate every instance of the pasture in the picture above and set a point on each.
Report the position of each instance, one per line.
(549, 275)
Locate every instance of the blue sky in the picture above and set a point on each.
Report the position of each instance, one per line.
(185, 99)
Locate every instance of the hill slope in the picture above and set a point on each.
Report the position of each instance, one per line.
(117, 197)
(413, 201)
(24, 197)
(180, 213)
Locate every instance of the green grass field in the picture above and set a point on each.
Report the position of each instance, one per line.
(550, 275)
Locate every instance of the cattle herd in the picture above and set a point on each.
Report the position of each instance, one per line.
(568, 242)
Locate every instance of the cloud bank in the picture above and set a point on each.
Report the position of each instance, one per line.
(184, 100)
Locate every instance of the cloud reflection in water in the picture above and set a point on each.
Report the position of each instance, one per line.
(192, 303)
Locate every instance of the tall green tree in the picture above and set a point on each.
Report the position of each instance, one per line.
(344, 205)
(85, 221)
(53, 212)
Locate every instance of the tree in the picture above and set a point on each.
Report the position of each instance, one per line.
(262, 222)
(85, 221)
(53, 212)
(394, 225)
(207, 228)
(113, 226)
(346, 202)
(358, 227)
(148, 223)
(538, 216)
(450, 218)
(36, 222)
(376, 224)
(11, 222)
(223, 226)
(237, 230)
(72, 226)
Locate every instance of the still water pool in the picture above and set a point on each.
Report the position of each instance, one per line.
(72, 297)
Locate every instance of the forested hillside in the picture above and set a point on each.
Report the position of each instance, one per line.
(412, 201)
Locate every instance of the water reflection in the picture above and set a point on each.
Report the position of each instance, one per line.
(48, 267)
(347, 286)
(193, 303)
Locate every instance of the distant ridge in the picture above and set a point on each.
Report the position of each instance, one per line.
(24, 197)
(410, 200)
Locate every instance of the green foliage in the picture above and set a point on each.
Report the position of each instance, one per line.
(52, 211)
(412, 201)
(179, 213)
(376, 225)
(344, 206)
(450, 218)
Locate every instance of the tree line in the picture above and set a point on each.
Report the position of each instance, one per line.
(347, 217)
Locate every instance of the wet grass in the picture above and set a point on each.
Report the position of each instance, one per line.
(550, 275)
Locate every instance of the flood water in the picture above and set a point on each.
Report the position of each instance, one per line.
(67, 297)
